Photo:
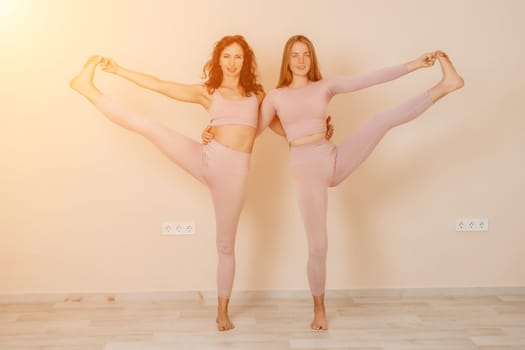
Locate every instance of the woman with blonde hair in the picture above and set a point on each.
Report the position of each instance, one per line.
(231, 94)
(300, 102)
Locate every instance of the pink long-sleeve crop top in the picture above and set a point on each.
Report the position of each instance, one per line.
(243, 111)
(302, 111)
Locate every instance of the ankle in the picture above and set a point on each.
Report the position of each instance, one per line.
(223, 303)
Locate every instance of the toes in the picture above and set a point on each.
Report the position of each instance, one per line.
(317, 327)
(224, 326)
(441, 54)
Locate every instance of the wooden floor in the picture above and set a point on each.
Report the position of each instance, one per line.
(378, 323)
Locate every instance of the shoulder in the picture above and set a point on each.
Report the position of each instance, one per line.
(274, 92)
(270, 100)
(271, 95)
(323, 81)
(326, 84)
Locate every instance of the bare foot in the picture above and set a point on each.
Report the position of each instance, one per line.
(224, 323)
(83, 81)
(451, 79)
(319, 323)
(223, 320)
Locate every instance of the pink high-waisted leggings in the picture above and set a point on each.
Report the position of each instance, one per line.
(222, 169)
(316, 166)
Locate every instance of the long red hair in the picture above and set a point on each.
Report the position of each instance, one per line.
(286, 76)
(248, 76)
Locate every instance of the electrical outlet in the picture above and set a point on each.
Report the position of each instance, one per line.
(178, 228)
(472, 224)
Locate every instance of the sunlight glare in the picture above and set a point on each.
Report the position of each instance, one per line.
(7, 12)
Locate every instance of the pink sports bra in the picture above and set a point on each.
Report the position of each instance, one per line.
(243, 111)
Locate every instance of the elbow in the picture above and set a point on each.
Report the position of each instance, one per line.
(159, 86)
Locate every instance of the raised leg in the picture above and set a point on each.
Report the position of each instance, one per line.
(359, 145)
(183, 151)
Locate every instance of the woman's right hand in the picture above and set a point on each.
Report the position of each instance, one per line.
(108, 65)
(424, 61)
(207, 135)
(329, 128)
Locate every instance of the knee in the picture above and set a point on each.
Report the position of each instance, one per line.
(225, 247)
(318, 251)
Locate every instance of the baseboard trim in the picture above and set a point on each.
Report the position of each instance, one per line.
(211, 296)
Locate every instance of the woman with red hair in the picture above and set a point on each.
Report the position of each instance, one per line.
(231, 94)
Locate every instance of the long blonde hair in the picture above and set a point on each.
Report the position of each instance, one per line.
(286, 75)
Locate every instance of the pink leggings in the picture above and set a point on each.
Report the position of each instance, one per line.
(222, 169)
(316, 166)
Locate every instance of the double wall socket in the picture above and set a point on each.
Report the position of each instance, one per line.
(472, 224)
(178, 228)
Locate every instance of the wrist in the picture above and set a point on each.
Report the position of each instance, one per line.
(118, 70)
(412, 65)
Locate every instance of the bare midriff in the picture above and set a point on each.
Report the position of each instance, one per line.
(237, 137)
(307, 139)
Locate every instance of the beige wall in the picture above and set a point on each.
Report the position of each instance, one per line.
(82, 201)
